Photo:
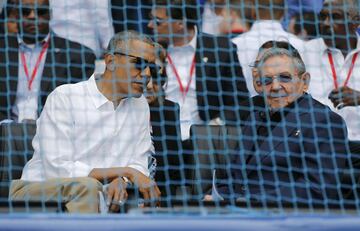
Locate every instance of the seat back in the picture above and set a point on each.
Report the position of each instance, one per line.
(16, 150)
(213, 147)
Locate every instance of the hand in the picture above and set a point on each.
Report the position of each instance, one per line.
(208, 198)
(147, 187)
(344, 96)
(116, 194)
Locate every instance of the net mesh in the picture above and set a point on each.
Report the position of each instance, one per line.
(223, 124)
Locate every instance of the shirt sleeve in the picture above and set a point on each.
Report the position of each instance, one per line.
(53, 142)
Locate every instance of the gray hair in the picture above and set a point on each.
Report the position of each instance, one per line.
(120, 41)
(293, 54)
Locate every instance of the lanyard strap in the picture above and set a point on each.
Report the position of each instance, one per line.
(331, 61)
(183, 90)
(37, 64)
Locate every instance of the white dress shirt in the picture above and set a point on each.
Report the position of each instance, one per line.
(26, 102)
(182, 58)
(87, 22)
(248, 45)
(322, 81)
(79, 130)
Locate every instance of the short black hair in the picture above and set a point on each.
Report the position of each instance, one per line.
(188, 10)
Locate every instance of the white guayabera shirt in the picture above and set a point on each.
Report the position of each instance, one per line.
(79, 129)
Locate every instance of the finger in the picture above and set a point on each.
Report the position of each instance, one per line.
(110, 195)
(115, 202)
(146, 196)
(123, 195)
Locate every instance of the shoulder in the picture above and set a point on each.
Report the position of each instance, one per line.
(321, 113)
(212, 41)
(71, 46)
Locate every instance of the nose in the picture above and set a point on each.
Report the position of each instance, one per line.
(326, 21)
(275, 85)
(31, 14)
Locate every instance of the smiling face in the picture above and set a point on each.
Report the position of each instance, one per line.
(280, 81)
(34, 16)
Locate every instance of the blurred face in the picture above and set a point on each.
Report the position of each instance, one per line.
(34, 16)
(335, 24)
(132, 71)
(162, 26)
(280, 81)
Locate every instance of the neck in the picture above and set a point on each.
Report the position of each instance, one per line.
(344, 46)
(107, 87)
(182, 40)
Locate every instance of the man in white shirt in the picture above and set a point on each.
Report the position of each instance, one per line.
(333, 62)
(95, 132)
(87, 22)
(267, 26)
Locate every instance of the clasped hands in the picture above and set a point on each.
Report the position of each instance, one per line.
(344, 96)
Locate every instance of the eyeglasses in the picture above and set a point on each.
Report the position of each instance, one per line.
(266, 80)
(39, 10)
(141, 64)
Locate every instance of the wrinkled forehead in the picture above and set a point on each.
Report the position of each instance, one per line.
(277, 64)
(333, 5)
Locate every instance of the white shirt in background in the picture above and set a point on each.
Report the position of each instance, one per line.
(182, 58)
(87, 22)
(322, 82)
(210, 20)
(248, 45)
(79, 130)
(26, 102)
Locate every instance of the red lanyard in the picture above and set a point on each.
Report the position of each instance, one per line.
(183, 90)
(37, 64)
(331, 61)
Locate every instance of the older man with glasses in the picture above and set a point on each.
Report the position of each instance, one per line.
(292, 148)
(95, 132)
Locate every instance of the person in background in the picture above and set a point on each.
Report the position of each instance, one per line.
(204, 76)
(165, 124)
(333, 61)
(305, 25)
(9, 17)
(36, 61)
(267, 26)
(87, 22)
(236, 17)
(95, 132)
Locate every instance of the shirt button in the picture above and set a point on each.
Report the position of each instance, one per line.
(243, 188)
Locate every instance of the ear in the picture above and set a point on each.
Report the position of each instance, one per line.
(306, 79)
(109, 61)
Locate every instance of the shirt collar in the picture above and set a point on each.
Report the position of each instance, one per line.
(324, 48)
(191, 44)
(260, 25)
(24, 45)
(97, 97)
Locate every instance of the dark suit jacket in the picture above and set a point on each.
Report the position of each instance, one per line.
(220, 83)
(66, 62)
(301, 159)
(166, 137)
